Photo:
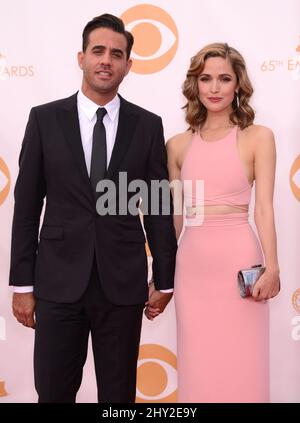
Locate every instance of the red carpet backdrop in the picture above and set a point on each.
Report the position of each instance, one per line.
(39, 41)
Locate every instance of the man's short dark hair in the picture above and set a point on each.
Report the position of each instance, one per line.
(107, 21)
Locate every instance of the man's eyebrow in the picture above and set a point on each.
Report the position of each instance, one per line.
(101, 47)
(117, 50)
(98, 47)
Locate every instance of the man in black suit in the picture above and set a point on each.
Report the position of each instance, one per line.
(86, 272)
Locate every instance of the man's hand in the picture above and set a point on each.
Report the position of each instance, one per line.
(151, 312)
(157, 302)
(23, 306)
(160, 300)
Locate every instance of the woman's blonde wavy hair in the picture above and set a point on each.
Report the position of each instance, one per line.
(242, 113)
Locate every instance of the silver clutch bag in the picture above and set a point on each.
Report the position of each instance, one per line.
(247, 279)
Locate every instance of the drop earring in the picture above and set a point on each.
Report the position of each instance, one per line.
(237, 100)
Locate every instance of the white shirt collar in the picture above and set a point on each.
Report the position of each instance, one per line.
(89, 108)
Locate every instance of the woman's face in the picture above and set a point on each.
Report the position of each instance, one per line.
(217, 84)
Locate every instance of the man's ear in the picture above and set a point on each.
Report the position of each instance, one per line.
(128, 66)
(80, 57)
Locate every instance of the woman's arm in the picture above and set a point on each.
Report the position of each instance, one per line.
(264, 172)
(174, 175)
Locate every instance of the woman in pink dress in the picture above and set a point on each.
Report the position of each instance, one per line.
(223, 339)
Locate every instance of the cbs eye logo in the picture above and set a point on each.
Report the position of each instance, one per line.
(3, 392)
(155, 37)
(4, 181)
(148, 252)
(156, 374)
(296, 300)
(295, 178)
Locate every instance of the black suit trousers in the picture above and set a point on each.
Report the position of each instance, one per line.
(61, 342)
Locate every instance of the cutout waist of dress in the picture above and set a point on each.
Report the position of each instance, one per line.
(196, 216)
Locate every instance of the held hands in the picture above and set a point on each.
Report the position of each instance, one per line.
(23, 306)
(267, 286)
(157, 302)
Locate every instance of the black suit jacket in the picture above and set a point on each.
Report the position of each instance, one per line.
(59, 259)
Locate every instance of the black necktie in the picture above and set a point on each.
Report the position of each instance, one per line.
(98, 159)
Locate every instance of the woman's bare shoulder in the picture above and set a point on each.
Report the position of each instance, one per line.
(261, 138)
(179, 141)
(258, 132)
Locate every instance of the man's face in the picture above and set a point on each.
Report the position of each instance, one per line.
(104, 63)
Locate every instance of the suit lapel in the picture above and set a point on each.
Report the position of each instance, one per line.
(126, 127)
(68, 117)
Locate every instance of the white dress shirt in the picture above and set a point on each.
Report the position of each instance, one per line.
(87, 118)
